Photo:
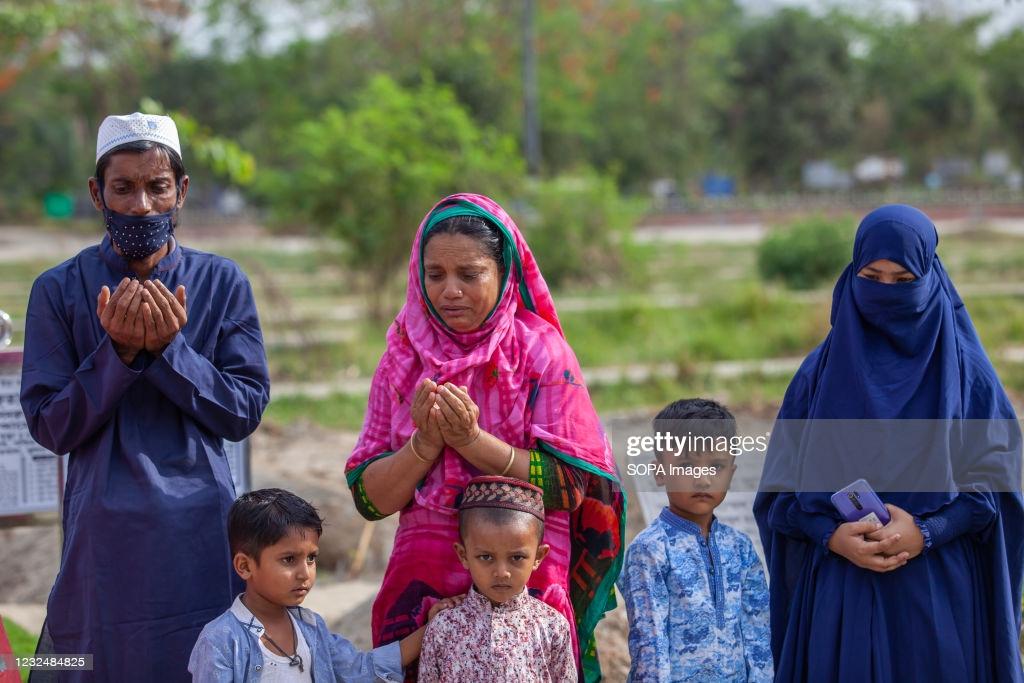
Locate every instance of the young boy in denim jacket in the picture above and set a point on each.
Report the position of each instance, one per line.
(265, 635)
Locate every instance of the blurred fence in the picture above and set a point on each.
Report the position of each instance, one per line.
(979, 202)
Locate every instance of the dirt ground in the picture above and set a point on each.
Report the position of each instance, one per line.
(301, 458)
(308, 460)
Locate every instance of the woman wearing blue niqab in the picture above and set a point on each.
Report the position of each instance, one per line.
(935, 595)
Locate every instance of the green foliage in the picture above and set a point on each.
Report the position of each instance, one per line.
(659, 82)
(368, 175)
(337, 411)
(577, 227)
(795, 97)
(633, 88)
(924, 86)
(29, 21)
(38, 154)
(636, 89)
(752, 323)
(223, 157)
(1006, 83)
(807, 253)
(22, 642)
(999, 320)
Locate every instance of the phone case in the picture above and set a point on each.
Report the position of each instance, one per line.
(858, 502)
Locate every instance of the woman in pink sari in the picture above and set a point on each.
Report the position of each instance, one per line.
(478, 379)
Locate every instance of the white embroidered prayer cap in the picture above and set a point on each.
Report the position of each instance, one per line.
(118, 130)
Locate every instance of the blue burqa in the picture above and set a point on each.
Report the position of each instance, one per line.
(145, 561)
(908, 352)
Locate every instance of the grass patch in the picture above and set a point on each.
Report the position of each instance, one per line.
(337, 411)
(754, 392)
(700, 269)
(983, 257)
(313, 289)
(659, 392)
(756, 323)
(1012, 377)
(22, 642)
(320, 362)
(308, 262)
(23, 272)
(749, 392)
(752, 323)
(999, 319)
(16, 280)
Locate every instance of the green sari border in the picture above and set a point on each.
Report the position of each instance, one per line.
(353, 475)
(604, 597)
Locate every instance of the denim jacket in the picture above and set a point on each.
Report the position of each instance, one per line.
(228, 651)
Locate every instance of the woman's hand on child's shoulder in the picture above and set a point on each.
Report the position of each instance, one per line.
(443, 604)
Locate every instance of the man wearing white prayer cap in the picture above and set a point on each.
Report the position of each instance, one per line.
(141, 357)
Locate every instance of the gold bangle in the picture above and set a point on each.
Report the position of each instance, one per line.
(511, 459)
(412, 446)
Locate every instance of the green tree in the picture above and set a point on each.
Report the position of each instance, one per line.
(794, 95)
(631, 87)
(222, 157)
(636, 88)
(29, 33)
(1003, 60)
(368, 175)
(64, 65)
(924, 83)
(42, 51)
(470, 46)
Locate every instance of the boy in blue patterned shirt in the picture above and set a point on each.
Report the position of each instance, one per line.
(694, 587)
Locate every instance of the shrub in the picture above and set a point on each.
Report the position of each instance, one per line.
(577, 227)
(806, 253)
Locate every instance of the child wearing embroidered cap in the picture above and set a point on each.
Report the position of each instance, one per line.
(694, 587)
(265, 635)
(499, 632)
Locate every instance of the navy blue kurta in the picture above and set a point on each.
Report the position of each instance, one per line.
(145, 562)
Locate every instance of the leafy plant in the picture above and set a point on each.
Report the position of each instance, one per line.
(806, 253)
(369, 174)
(577, 226)
(223, 157)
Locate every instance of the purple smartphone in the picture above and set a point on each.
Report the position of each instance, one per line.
(858, 502)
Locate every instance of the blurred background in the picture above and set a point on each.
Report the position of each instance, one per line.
(689, 174)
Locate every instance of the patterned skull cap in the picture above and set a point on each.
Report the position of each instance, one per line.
(119, 130)
(503, 492)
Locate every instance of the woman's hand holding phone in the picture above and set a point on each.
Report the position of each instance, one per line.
(851, 540)
(901, 526)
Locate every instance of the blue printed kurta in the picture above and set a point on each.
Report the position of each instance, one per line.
(145, 562)
(698, 608)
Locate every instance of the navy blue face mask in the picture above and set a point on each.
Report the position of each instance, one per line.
(138, 236)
